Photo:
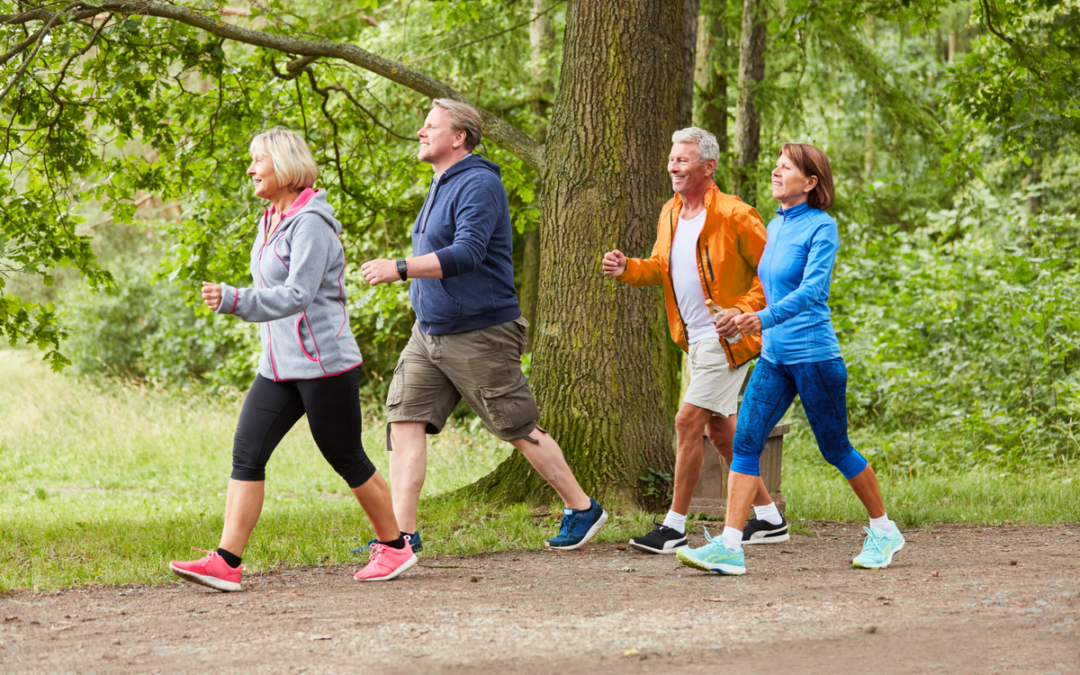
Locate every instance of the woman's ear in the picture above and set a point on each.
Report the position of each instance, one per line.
(811, 183)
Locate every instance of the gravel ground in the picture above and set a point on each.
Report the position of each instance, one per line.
(957, 599)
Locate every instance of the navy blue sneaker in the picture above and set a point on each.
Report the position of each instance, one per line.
(413, 539)
(578, 527)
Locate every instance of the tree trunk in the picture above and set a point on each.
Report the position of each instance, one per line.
(604, 369)
(747, 115)
(541, 41)
(684, 116)
(712, 72)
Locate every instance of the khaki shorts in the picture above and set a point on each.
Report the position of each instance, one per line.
(482, 366)
(713, 384)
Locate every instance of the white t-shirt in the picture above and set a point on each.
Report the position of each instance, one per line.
(687, 281)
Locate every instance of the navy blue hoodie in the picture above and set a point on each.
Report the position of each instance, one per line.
(465, 221)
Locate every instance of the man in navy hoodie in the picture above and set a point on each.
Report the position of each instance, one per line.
(469, 335)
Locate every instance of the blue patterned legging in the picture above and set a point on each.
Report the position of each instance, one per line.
(822, 385)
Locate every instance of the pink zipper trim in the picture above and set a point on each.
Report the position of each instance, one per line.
(320, 377)
(235, 301)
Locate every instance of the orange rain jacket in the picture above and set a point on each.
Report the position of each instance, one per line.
(728, 252)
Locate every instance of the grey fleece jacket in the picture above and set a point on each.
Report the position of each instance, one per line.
(299, 294)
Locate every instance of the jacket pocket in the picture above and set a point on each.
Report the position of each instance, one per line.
(509, 404)
(436, 303)
(305, 338)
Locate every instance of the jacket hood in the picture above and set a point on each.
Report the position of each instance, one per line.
(313, 201)
(471, 162)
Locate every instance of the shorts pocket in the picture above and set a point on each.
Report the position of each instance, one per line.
(508, 405)
(396, 394)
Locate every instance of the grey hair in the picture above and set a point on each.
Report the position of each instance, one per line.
(463, 117)
(707, 147)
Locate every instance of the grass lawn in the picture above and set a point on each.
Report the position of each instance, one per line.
(106, 485)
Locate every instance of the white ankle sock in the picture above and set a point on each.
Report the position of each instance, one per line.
(732, 539)
(675, 521)
(770, 514)
(882, 524)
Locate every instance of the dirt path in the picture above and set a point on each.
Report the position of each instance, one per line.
(1004, 600)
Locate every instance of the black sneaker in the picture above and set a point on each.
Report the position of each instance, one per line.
(661, 540)
(763, 532)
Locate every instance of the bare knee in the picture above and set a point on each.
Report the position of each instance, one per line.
(688, 423)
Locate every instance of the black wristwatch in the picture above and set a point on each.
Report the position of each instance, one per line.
(403, 269)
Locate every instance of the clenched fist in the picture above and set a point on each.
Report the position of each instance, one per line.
(614, 263)
(211, 295)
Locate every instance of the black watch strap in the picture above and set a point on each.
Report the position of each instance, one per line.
(403, 269)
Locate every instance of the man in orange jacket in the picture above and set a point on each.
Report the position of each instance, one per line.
(707, 249)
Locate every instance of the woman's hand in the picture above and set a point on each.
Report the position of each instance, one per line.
(725, 325)
(748, 323)
(614, 263)
(381, 271)
(211, 295)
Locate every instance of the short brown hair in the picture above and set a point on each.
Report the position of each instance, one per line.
(813, 161)
(463, 117)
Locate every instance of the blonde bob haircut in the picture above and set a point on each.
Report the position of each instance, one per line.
(293, 163)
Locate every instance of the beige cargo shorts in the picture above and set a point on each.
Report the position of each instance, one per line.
(482, 366)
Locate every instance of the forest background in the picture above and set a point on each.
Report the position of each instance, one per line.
(952, 129)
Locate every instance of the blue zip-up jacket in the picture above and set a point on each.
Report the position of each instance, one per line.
(465, 221)
(795, 271)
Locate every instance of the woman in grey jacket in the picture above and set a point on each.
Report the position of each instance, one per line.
(310, 363)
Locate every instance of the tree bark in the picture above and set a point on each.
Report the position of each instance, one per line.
(604, 369)
(542, 91)
(747, 115)
(712, 73)
(684, 117)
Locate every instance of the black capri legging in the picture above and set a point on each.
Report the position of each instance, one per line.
(272, 408)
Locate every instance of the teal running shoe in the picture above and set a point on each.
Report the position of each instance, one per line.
(879, 548)
(713, 557)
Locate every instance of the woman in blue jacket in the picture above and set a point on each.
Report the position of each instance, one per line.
(800, 355)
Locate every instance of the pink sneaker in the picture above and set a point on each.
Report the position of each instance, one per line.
(210, 571)
(386, 563)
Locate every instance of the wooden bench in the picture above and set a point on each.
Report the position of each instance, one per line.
(710, 495)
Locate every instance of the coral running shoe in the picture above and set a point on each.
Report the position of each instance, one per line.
(386, 563)
(879, 548)
(210, 571)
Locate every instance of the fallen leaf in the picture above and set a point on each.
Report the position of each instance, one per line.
(629, 652)
(320, 637)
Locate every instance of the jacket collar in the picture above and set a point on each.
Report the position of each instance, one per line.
(710, 195)
(794, 211)
(300, 202)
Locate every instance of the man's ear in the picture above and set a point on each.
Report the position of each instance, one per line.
(459, 140)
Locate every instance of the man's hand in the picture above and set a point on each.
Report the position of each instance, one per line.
(614, 263)
(211, 295)
(748, 323)
(381, 271)
(725, 325)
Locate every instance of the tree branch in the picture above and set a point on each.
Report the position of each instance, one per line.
(39, 38)
(526, 22)
(499, 131)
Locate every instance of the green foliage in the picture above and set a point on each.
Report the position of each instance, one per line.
(656, 488)
(974, 342)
